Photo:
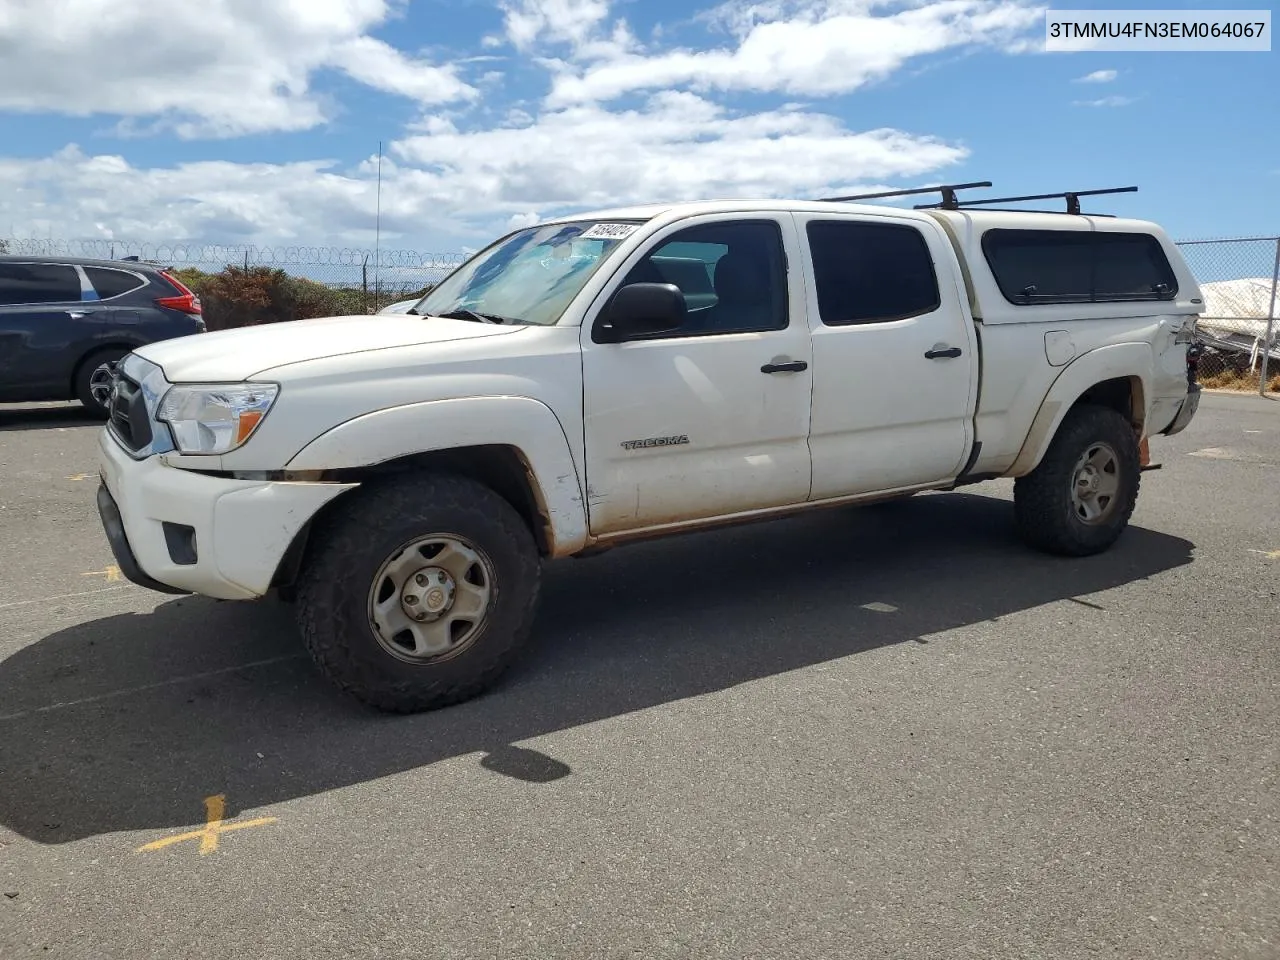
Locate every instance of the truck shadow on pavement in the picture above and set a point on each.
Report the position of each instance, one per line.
(20, 417)
(128, 722)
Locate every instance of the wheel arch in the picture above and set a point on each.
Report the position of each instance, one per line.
(1116, 376)
(516, 446)
(500, 467)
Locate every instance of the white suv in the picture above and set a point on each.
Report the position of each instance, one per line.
(622, 375)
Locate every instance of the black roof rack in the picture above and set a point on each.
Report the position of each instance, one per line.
(1071, 196)
(948, 192)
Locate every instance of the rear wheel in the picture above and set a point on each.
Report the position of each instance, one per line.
(93, 380)
(419, 593)
(1080, 497)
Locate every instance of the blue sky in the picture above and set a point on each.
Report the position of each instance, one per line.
(257, 121)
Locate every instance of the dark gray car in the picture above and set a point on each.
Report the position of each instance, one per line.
(66, 322)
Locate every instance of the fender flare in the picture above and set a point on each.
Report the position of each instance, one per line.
(527, 425)
(1115, 362)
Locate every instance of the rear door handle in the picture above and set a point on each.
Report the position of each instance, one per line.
(789, 366)
(939, 353)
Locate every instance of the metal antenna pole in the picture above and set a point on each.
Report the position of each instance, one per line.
(377, 235)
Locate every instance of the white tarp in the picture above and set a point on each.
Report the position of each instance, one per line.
(1238, 306)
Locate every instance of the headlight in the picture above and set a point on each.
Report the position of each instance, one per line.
(215, 418)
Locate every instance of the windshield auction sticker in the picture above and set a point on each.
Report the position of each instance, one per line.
(608, 231)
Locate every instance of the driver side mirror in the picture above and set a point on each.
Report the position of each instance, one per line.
(641, 309)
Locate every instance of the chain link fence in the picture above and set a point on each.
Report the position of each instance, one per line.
(1240, 327)
(1240, 330)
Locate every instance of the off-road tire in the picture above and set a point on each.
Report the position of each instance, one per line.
(348, 546)
(1043, 508)
(84, 372)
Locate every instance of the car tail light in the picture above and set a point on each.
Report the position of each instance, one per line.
(187, 302)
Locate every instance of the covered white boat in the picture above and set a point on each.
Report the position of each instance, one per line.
(1235, 317)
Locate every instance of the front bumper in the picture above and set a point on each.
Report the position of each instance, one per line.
(113, 527)
(177, 531)
(1186, 411)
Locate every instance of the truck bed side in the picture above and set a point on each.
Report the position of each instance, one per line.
(1038, 359)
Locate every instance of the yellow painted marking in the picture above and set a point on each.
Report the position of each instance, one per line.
(112, 573)
(1269, 554)
(82, 476)
(214, 808)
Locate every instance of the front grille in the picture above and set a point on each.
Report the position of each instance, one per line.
(128, 413)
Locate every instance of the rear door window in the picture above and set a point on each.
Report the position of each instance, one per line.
(36, 283)
(112, 283)
(871, 272)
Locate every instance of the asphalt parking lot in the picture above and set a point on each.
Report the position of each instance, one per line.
(890, 732)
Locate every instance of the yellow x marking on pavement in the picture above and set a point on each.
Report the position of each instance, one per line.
(214, 827)
(112, 573)
(1269, 554)
(81, 476)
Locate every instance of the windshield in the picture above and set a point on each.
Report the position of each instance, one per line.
(529, 277)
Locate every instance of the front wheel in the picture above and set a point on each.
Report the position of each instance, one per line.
(1080, 497)
(419, 593)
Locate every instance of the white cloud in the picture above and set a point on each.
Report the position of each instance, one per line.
(801, 47)
(556, 21)
(457, 176)
(518, 221)
(383, 67)
(1116, 101)
(678, 146)
(1098, 76)
(75, 195)
(449, 186)
(214, 68)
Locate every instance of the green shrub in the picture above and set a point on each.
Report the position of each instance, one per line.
(239, 297)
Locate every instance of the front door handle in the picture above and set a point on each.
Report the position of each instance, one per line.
(789, 366)
(939, 352)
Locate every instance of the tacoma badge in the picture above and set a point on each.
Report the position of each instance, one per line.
(655, 442)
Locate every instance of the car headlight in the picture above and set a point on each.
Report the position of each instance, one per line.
(215, 418)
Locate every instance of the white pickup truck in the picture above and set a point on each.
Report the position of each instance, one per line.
(603, 378)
